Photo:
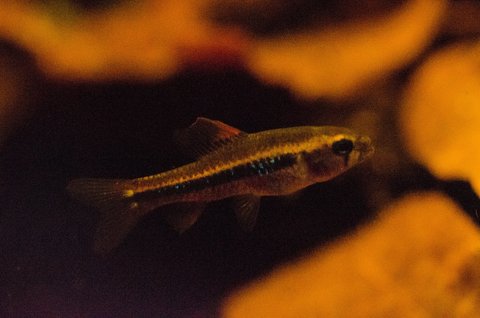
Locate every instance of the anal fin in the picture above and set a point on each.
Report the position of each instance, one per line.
(246, 209)
(182, 216)
(114, 225)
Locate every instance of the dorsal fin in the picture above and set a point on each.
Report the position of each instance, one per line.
(206, 135)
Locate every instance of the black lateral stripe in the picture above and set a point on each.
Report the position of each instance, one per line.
(261, 167)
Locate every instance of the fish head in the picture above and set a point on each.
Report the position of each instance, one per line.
(334, 150)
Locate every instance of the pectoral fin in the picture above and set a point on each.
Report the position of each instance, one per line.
(205, 135)
(246, 209)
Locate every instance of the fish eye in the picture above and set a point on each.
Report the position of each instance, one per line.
(342, 147)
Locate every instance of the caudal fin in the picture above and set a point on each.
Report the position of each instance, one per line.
(119, 213)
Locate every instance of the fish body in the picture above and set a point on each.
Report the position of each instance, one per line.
(229, 163)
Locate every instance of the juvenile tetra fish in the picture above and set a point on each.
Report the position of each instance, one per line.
(229, 163)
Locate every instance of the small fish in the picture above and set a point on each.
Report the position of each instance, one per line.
(229, 163)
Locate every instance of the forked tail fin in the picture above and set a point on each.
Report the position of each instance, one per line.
(119, 213)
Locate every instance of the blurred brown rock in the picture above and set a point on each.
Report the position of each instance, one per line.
(16, 93)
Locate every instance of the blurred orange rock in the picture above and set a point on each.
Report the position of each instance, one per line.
(421, 258)
(338, 61)
(153, 39)
(440, 117)
(149, 39)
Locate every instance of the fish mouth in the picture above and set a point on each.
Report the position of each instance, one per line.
(364, 147)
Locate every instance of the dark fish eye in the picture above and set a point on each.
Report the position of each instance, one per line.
(342, 147)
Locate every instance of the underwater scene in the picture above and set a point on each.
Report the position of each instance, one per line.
(233, 159)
